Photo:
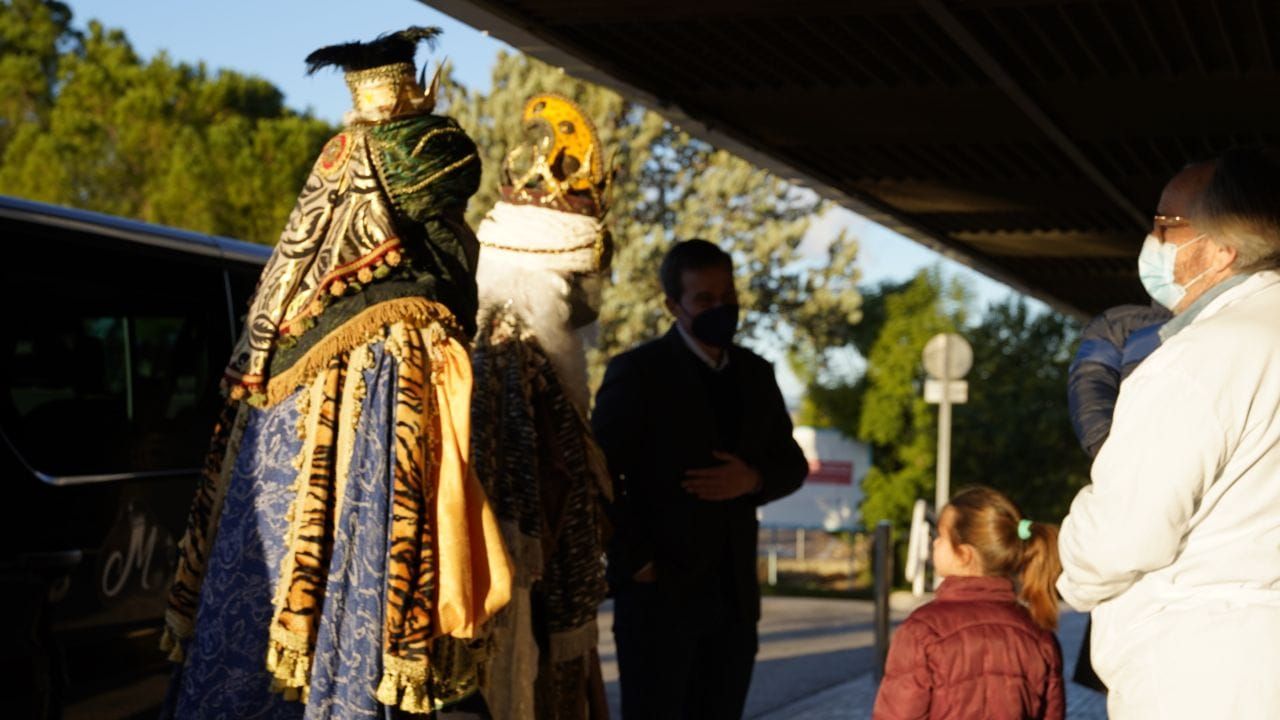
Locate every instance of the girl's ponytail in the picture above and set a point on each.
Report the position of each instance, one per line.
(1010, 546)
(1040, 570)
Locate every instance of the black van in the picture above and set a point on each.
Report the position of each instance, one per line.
(114, 339)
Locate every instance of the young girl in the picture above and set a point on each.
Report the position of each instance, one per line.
(984, 648)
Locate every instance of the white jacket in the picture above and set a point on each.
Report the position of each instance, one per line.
(1175, 545)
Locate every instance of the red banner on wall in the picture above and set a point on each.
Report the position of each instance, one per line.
(830, 472)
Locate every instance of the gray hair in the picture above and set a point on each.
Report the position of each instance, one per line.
(1240, 207)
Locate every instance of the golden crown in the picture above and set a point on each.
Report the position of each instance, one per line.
(390, 91)
(561, 165)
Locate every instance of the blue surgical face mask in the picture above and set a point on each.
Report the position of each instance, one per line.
(1155, 269)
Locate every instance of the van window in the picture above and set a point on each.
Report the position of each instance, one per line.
(111, 361)
(243, 281)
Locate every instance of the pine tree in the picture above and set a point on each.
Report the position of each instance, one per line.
(84, 122)
(673, 187)
(1013, 434)
(900, 426)
(89, 124)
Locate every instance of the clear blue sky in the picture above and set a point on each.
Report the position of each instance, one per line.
(270, 38)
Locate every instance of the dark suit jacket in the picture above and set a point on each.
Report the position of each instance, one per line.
(653, 419)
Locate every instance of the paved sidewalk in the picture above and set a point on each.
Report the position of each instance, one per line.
(853, 699)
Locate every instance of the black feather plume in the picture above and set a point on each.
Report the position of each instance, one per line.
(389, 48)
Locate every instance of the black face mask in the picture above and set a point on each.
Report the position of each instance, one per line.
(716, 327)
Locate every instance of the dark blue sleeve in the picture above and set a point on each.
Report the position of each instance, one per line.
(1092, 387)
(1111, 346)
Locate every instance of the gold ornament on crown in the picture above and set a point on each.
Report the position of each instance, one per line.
(389, 91)
(561, 165)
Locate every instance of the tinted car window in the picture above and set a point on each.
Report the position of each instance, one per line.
(111, 361)
(243, 282)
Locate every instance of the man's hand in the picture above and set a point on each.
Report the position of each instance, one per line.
(723, 482)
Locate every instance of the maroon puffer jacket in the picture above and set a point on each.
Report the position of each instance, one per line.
(972, 654)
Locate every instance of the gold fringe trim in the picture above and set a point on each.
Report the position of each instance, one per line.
(308, 418)
(362, 328)
(353, 394)
(170, 643)
(288, 659)
(289, 663)
(404, 685)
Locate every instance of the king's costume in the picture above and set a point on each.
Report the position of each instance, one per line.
(544, 251)
(341, 558)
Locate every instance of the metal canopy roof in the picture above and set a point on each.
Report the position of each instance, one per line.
(1026, 138)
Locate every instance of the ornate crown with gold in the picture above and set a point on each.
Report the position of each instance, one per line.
(561, 166)
(380, 74)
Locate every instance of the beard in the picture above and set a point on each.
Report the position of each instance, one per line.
(553, 306)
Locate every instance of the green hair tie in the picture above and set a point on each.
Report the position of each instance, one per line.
(1024, 529)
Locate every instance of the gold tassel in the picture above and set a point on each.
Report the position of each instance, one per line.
(284, 669)
(302, 671)
(413, 700)
(397, 689)
(387, 689)
(170, 643)
(290, 669)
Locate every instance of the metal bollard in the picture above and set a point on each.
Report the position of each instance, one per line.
(882, 559)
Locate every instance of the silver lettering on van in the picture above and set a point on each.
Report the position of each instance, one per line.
(120, 565)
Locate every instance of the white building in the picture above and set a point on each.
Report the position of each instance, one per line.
(830, 496)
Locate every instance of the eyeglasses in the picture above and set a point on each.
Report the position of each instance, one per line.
(1163, 223)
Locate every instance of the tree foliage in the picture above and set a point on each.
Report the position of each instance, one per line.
(669, 187)
(85, 122)
(1013, 433)
(894, 418)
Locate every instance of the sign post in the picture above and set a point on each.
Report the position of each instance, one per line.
(947, 358)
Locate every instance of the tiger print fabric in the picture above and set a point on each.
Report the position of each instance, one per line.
(448, 572)
(447, 569)
(411, 567)
(546, 478)
(301, 590)
(202, 521)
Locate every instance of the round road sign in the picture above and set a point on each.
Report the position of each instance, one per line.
(947, 356)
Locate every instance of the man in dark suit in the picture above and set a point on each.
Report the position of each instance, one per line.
(697, 436)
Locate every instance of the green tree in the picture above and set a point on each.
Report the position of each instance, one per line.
(900, 426)
(833, 399)
(671, 186)
(89, 124)
(1014, 433)
(32, 34)
(92, 125)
